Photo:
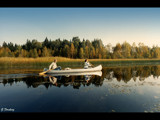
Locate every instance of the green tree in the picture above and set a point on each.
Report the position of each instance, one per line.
(146, 52)
(57, 47)
(156, 53)
(46, 43)
(86, 52)
(28, 45)
(72, 50)
(134, 50)
(126, 50)
(92, 53)
(45, 52)
(81, 53)
(33, 53)
(22, 53)
(36, 44)
(6, 52)
(66, 51)
(140, 50)
(108, 48)
(117, 51)
(11, 47)
(4, 44)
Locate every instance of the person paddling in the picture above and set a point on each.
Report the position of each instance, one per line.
(53, 65)
(87, 64)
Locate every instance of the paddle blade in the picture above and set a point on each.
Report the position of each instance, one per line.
(42, 73)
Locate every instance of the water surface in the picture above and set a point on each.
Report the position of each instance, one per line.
(119, 89)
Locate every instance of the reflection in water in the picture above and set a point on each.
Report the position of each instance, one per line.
(53, 80)
(124, 74)
(73, 79)
(49, 80)
(87, 78)
(120, 89)
(127, 73)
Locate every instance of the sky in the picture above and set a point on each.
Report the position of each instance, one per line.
(111, 25)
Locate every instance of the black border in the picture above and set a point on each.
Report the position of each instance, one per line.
(80, 116)
(79, 3)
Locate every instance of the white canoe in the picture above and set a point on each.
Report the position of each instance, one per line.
(98, 73)
(94, 69)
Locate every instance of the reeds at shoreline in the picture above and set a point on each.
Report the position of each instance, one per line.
(45, 61)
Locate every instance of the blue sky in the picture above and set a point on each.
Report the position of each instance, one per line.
(111, 25)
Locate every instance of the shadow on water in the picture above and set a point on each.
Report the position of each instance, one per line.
(125, 74)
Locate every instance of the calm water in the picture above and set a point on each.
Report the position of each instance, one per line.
(118, 89)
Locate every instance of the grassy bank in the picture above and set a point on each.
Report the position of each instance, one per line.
(45, 61)
(37, 62)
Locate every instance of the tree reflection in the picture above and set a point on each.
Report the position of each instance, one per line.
(124, 74)
(127, 73)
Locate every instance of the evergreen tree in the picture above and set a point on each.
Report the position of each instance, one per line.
(4, 44)
(66, 51)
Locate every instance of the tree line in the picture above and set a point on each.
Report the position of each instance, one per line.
(76, 48)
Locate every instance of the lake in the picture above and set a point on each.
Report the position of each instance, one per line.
(116, 89)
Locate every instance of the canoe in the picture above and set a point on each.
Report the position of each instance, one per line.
(98, 73)
(97, 68)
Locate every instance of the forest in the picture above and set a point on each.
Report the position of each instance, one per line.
(75, 48)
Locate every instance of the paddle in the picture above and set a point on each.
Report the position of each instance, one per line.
(92, 65)
(42, 73)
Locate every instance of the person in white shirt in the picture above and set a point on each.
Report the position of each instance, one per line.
(53, 65)
(87, 64)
